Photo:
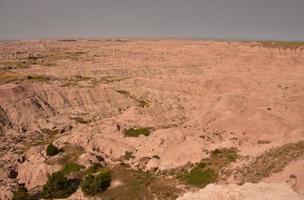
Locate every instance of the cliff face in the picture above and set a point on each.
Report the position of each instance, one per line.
(193, 96)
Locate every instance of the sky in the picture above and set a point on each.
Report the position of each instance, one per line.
(201, 19)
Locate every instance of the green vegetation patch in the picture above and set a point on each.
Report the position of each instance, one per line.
(80, 120)
(71, 154)
(224, 155)
(208, 170)
(40, 78)
(52, 150)
(96, 184)
(201, 177)
(22, 194)
(71, 167)
(135, 132)
(140, 185)
(58, 186)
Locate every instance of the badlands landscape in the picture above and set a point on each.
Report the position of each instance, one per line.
(155, 119)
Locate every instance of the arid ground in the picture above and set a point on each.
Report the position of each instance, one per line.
(185, 119)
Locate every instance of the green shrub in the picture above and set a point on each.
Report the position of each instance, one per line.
(131, 132)
(52, 150)
(57, 186)
(71, 167)
(199, 177)
(21, 194)
(92, 185)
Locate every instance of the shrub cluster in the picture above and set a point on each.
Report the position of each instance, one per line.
(58, 186)
(21, 194)
(201, 177)
(208, 170)
(71, 167)
(52, 150)
(94, 184)
(131, 132)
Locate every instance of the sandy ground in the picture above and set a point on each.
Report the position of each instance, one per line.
(195, 96)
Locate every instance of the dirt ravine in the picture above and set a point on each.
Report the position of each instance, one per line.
(155, 106)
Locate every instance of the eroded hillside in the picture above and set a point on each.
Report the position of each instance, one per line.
(169, 108)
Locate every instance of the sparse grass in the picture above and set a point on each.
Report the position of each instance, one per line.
(128, 155)
(207, 171)
(105, 79)
(14, 63)
(71, 154)
(71, 167)
(131, 132)
(140, 185)
(124, 92)
(78, 78)
(40, 78)
(80, 120)
(143, 103)
(70, 84)
(53, 55)
(8, 76)
(67, 40)
(50, 131)
(225, 155)
(281, 44)
(272, 161)
(263, 142)
(96, 167)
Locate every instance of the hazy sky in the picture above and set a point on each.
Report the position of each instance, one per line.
(223, 19)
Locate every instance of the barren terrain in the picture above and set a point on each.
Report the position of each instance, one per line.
(161, 114)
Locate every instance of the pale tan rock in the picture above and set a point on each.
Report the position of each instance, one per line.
(195, 95)
(249, 191)
(6, 190)
(292, 174)
(34, 171)
(153, 164)
(88, 159)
